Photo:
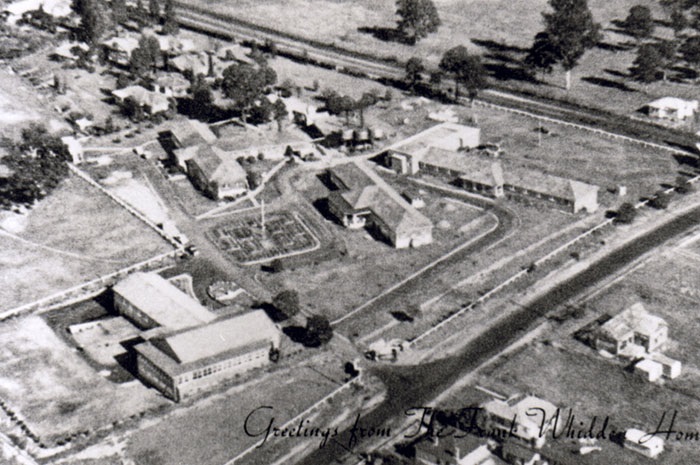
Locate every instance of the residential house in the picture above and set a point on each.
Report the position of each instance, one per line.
(363, 199)
(183, 362)
(459, 449)
(644, 443)
(183, 134)
(672, 108)
(171, 85)
(215, 172)
(528, 418)
(56, 8)
(517, 454)
(634, 326)
(118, 50)
(68, 51)
(152, 102)
(195, 63)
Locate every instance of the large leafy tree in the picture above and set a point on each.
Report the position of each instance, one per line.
(170, 25)
(639, 22)
(647, 64)
(245, 84)
(119, 11)
(145, 57)
(417, 19)
(94, 19)
(465, 69)
(570, 31)
(690, 50)
(414, 70)
(542, 55)
(318, 331)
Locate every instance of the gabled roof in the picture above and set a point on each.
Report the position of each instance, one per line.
(443, 135)
(485, 171)
(673, 103)
(123, 44)
(519, 409)
(635, 318)
(181, 351)
(548, 184)
(161, 301)
(217, 165)
(142, 96)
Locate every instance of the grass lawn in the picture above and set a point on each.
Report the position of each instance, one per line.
(54, 390)
(54, 254)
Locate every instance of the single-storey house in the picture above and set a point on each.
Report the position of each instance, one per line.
(644, 443)
(56, 8)
(363, 199)
(183, 362)
(171, 85)
(672, 108)
(118, 49)
(65, 51)
(632, 326)
(151, 102)
(528, 418)
(215, 172)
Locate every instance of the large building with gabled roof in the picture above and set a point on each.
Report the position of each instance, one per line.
(150, 301)
(184, 362)
(215, 172)
(364, 199)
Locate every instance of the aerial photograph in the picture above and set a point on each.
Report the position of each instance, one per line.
(349, 232)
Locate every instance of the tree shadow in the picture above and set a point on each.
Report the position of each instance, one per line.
(273, 312)
(607, 83)
(684, 73)
(494, 46)
(503, 72)
(616, 73)
(386, 34)
(610, 47)
(686, 160)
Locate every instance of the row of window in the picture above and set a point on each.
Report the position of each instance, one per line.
(208, 371)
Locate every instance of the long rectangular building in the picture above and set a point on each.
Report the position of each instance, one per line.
(184, 362)
(150, 301)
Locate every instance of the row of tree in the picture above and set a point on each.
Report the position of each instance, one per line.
(97, 17)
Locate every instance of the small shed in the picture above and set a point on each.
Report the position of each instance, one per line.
(643, 443)
(671, 367)
(649, 369)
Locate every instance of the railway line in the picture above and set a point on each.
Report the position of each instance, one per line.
(362, 65)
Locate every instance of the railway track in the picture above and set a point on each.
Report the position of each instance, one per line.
(362, 65)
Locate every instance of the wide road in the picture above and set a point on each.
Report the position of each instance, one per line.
(416, 385)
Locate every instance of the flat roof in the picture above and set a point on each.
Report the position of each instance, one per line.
(437, 136)
(162, 302)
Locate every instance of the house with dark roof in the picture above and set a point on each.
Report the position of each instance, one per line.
(183, 362)
(215, 172)
(363, 199)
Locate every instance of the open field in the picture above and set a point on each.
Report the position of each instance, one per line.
(54, 390)
(500, 31)
(52, 253)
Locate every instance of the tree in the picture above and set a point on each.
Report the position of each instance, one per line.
(639, 22)
(280, 113)
(154, 10)
(287, 302)
(414, 70)
(132, 109)
(626, 213)
(678, 21)
(418, 18)
(145, 57)
(542, 55)
(244, 84)
(570, 31)
(170, 24)
(683, 186)
(318, 331)
(660, 200)
(141, 14)
(120, 14)
(94, 20)
(690, 50)
(647, 64)
(667, 54)
(466, 69)
(367, 100)
(202, 97)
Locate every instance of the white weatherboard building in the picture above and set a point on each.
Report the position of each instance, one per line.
(672, 108)
(644, 443)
